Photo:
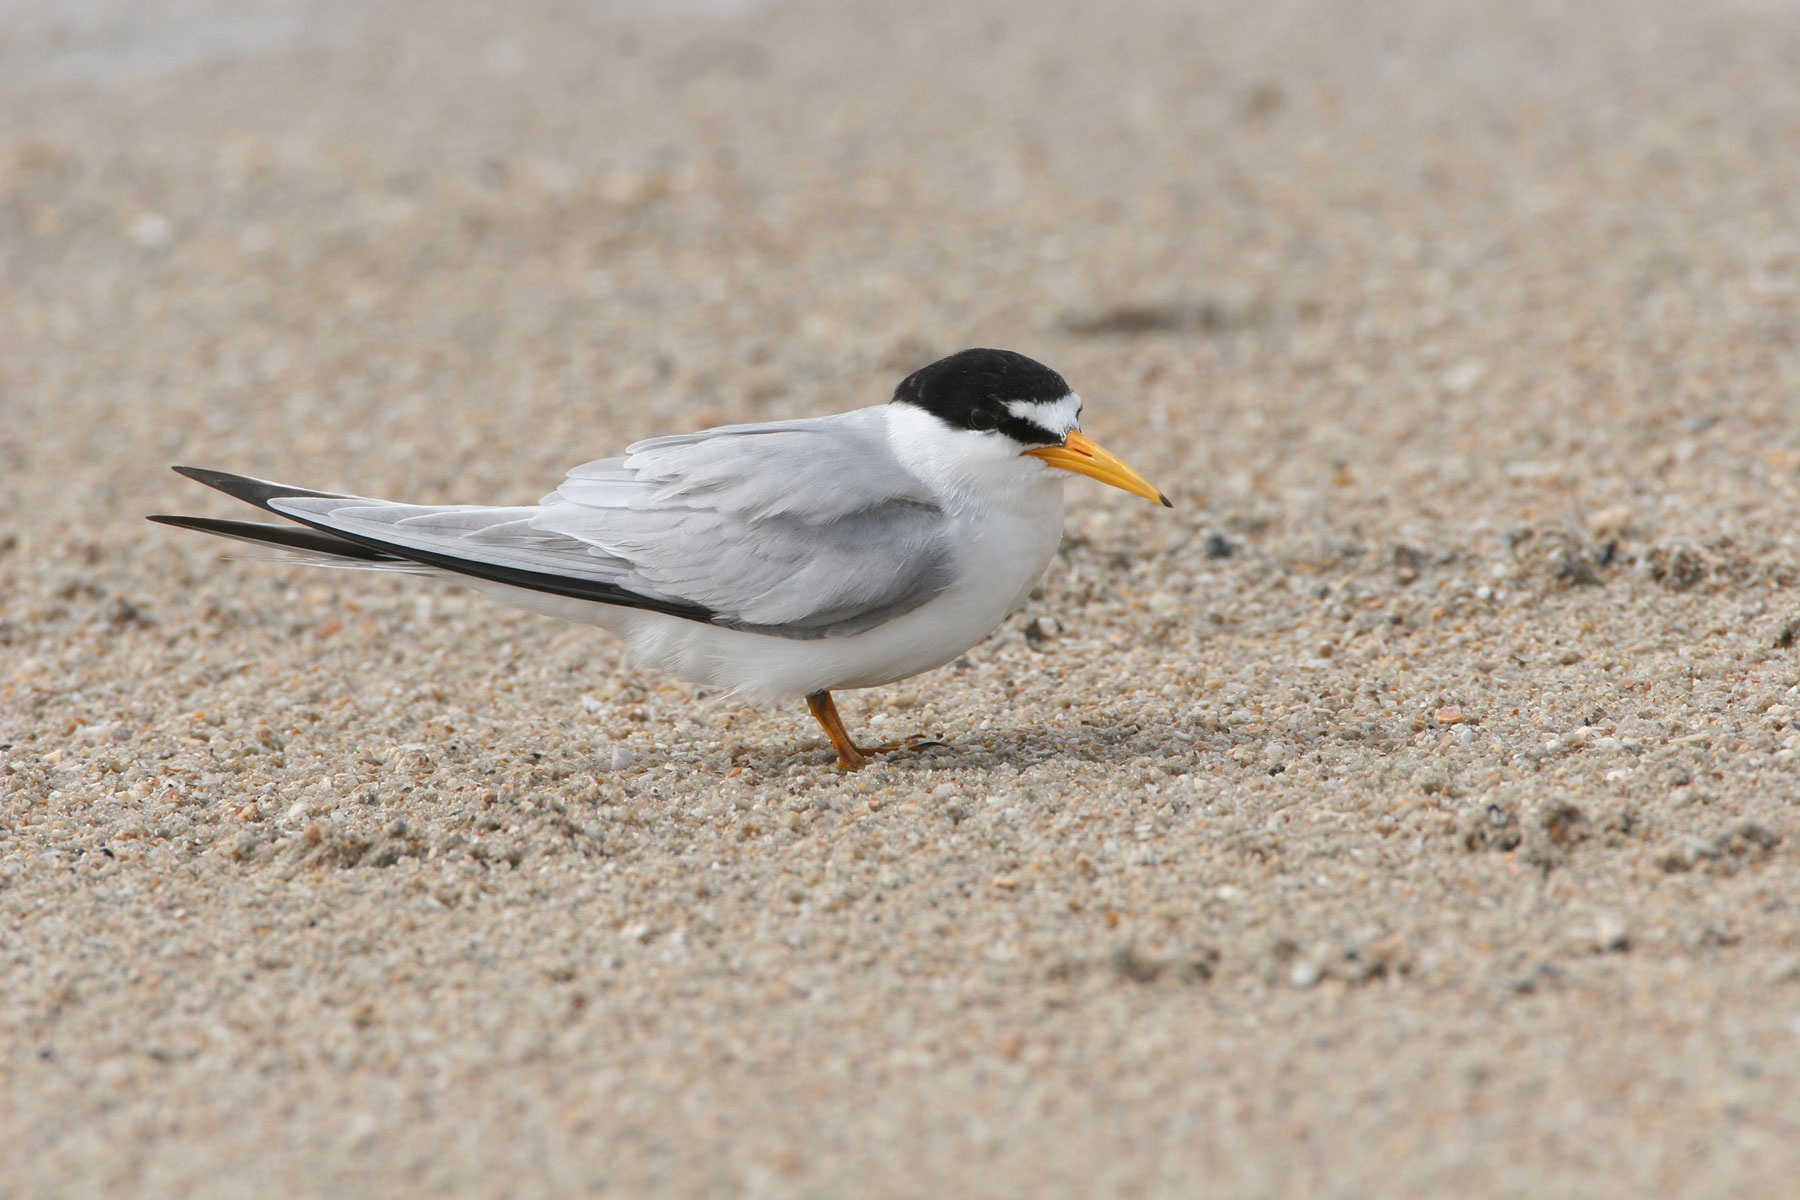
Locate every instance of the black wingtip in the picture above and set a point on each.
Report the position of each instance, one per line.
(316, 538)
(211, 478)
(250, 490)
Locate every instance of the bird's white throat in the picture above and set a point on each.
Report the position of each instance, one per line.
(985, 472)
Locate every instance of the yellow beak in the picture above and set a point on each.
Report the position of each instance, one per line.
(1084, 456)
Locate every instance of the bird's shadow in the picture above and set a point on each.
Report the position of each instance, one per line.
(987, 750)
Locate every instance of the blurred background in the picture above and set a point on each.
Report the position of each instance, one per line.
(1298, 252)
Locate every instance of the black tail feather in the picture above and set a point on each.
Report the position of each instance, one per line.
(283, 537)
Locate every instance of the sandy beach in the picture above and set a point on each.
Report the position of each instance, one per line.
(1409, 812)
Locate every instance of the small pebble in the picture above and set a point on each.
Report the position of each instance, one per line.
(1611, 934)
(152, 231)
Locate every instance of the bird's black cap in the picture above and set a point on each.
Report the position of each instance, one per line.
(971, 388)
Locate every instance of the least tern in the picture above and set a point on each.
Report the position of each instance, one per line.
(780, 560)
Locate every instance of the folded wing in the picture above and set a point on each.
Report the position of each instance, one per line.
(799, 529)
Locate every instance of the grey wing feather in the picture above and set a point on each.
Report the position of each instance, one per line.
(796, 528)
(800, 529)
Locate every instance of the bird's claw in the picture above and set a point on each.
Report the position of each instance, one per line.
(917, 741)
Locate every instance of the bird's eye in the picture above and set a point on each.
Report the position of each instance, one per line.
(981, 420)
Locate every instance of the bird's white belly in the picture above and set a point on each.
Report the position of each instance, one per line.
(1000, 558)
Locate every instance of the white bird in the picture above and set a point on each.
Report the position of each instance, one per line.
(777, 560)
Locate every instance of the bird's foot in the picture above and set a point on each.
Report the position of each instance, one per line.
(855, 758)
(852, 757)
(917, 741)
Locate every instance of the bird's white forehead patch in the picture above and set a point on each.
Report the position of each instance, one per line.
(1057, 416)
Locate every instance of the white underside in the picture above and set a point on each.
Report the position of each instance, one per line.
(1001, 556)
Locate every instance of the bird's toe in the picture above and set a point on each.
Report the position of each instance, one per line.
(917, 741)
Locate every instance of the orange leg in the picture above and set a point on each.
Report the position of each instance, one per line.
(825, 712)
(850, 756)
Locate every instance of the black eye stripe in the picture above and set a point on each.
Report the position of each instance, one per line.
(1028, 433)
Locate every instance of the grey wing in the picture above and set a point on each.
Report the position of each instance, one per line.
(800, 529)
